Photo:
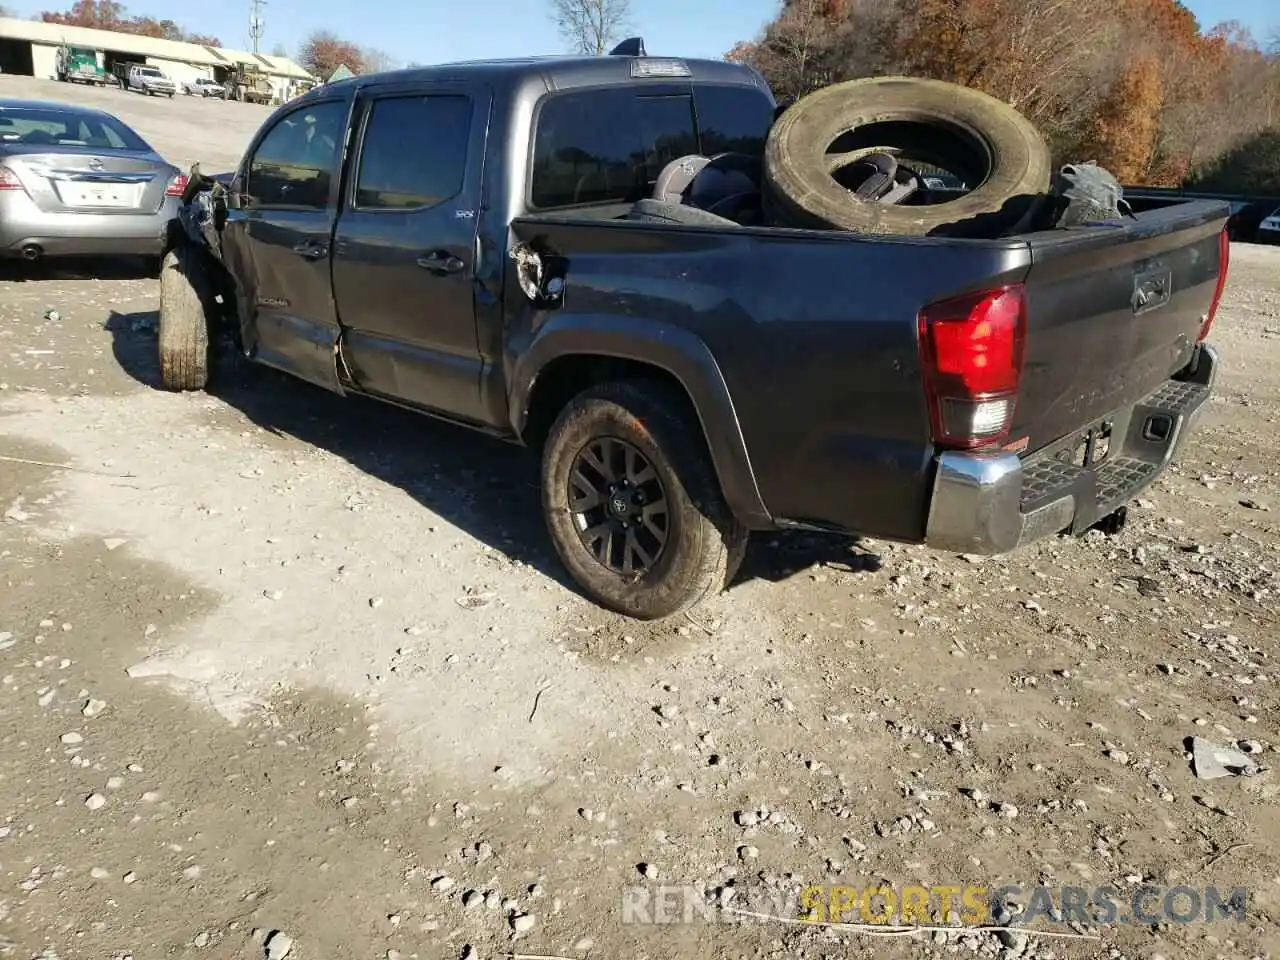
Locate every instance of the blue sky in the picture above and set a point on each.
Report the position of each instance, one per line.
(430, 31)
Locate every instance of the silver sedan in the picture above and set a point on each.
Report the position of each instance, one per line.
(76, 181)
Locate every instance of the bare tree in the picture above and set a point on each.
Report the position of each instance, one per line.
(591, 26)
(376, 61)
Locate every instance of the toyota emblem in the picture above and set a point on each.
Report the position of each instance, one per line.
(95, 164)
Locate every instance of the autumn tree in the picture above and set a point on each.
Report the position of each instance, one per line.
(815, 42)
(110, 15)
(591, 27)
(1123, 135)
(322, 53)
(1132, 83)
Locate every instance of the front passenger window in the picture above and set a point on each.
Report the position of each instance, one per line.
(296, 162)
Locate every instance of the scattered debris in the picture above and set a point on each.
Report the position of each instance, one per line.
(1211, 761)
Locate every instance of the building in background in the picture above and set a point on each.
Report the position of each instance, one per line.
(30, 48)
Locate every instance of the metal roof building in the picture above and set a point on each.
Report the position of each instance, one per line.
(29, 47)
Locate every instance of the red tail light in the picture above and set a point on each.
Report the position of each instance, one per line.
(971, 351)
(1224, 260)
(176, 186)
(9, 180)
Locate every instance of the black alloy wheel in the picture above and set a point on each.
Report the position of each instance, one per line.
(619, 506)
(632, 501)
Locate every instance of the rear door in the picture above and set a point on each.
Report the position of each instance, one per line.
(405, 245)
(278, 239)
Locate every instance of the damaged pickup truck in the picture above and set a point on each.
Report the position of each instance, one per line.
(495, 244)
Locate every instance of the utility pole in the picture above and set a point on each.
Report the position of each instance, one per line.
(256, 22)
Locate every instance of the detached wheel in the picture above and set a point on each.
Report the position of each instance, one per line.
(185, 344)
(632, 501)
(817, 143)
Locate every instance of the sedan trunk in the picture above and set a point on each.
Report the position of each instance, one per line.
(123, 182)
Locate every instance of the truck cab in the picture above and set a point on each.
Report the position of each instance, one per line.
(81, 65)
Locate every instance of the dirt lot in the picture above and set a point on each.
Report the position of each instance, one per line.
(275, 661)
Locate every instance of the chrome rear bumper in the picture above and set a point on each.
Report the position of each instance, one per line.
(990, 503)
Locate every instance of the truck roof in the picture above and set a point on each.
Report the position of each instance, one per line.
(560, 73)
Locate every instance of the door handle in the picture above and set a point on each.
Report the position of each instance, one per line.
(1151, 291)
(311, 250)
(441, 262)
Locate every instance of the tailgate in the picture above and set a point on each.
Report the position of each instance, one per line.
(1112, 313)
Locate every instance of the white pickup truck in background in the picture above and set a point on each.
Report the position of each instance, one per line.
(147, 79)
(204, 87)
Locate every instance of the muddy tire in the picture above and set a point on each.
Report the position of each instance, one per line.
(978, 138)
(185, 343)
(632, 502)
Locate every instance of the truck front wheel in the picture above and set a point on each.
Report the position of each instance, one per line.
(185, 344)
(632, 502)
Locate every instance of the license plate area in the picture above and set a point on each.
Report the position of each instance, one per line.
(99, 195)
(1090, 447)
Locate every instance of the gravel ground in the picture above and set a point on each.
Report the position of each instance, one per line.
(276, 666)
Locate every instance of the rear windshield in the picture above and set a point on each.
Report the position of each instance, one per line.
(60, 128)
(609, 145)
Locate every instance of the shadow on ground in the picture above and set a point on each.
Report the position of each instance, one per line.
(481, 485)
(79, 268)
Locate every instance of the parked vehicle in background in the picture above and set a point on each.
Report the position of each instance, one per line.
(77, 181)
(1269, 228)
(81, 65)
(204, 87)
(144, 78)
(486, 243)
(247, 84)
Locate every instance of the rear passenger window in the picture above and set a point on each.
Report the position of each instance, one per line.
(732, 119)
(295, 162)
(607, 146)
(414, 153)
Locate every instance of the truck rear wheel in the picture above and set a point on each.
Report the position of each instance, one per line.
(632, 502)
(185, 343)
(814, 148)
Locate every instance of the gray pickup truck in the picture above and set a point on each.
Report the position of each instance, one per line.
(480, 242)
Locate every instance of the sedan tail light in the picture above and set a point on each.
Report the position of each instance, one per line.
(177, 186)
(9, 180)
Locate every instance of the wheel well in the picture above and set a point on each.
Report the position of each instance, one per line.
(565, 377)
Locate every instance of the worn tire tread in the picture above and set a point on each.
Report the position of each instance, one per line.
(184, 335)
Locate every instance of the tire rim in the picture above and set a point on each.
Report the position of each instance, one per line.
(619, 506)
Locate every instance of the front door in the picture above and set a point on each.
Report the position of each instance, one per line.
(404, 246)
(278, 240)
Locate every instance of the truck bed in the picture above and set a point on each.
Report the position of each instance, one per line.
(815, 336)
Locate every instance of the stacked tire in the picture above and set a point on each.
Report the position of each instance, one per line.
(996, 151)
